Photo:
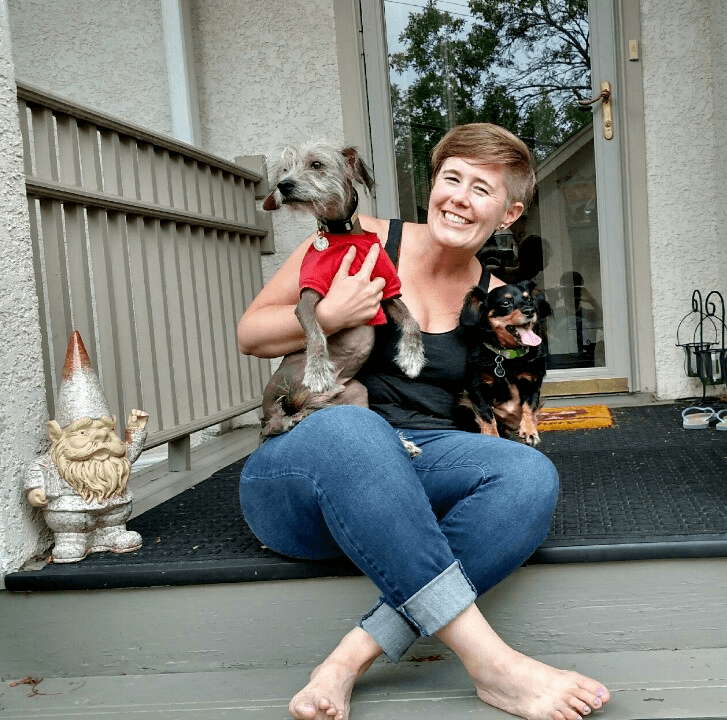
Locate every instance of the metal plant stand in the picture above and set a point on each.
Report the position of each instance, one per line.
(706, 360)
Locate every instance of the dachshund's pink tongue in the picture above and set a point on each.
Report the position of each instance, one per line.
(528, 337)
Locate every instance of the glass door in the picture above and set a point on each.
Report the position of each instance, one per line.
(526, 65)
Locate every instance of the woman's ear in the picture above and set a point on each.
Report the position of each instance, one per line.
(513, 213)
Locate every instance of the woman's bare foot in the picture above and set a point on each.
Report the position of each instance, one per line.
(515, 683)
(328, 694)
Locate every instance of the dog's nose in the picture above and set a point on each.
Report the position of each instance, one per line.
(286, 187)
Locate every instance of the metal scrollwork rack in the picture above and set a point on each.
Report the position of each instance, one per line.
(706, 360)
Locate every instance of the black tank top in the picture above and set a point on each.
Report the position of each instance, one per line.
(426, 402)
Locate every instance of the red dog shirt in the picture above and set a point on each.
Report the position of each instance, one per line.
(319, 266)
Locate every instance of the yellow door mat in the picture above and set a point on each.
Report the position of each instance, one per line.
(582, 417)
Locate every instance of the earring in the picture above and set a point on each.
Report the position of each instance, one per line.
(502, 226)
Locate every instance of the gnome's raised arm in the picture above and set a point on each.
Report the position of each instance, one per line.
(135, 434)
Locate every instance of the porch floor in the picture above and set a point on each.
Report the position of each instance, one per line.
(642, 489)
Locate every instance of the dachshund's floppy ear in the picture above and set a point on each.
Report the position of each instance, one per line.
(473, 306)
(359, 170)
(542, 306)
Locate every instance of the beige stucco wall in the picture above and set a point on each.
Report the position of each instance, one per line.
(110, 56)
(267, 75)
(23, 412)
(684, 68)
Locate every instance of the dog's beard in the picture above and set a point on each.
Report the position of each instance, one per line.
(94, 479)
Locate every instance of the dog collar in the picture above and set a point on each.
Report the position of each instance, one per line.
(338, 227)
(507, 354)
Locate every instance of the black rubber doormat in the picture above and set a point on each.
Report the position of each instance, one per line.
(642, 489)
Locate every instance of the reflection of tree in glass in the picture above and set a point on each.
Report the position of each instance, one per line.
(522, 64)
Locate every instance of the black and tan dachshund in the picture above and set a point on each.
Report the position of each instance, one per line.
(501, 329)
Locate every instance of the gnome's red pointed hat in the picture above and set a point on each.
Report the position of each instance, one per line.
(80, 393)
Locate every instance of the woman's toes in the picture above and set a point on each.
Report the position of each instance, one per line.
(302, 711)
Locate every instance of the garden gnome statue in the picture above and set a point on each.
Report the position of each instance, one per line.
(81, 482)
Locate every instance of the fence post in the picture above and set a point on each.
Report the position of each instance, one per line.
(180, 454)
(258, 164)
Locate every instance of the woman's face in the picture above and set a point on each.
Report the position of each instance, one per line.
(468, 203)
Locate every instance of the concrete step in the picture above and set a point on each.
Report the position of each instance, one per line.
(672, 684)
(654, 631)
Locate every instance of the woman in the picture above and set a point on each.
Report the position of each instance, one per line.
(434, 532)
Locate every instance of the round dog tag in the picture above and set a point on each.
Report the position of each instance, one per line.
(321, 242)
(499, 370)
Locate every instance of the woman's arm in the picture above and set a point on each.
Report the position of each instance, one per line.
(269, 327)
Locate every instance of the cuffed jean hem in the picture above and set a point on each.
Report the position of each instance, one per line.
(428, 610)
(390, 630)
(440, 600)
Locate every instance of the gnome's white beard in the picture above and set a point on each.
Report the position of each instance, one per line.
(93, 478)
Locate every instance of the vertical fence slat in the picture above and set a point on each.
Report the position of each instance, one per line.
(124, 316)
(79, 277)
(162, 355)
(44, 139)
(25, 134)
(108, 368)
(40, 289)
(221, 368)
(190, 315)
(175, 327)
(176, 182)
(264, 368)
(240, 250)
(144, 312)
(248, 283)
(129, 168)
(68, 150)
(90, 156)
(111, 162)
(229, 317)
(160, 167)
(190, 175)
(56, 278)
(207, 349)
(147, 178)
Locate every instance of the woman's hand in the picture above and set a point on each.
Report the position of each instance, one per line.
(352, 300)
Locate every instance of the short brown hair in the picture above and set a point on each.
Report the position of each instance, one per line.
(489, 144)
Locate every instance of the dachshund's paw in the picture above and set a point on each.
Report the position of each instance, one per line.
(410, 356)
(410, 447)
(530, 439)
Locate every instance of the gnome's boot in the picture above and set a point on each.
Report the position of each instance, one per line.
(69, 547)
(70, 534)
(117, 539)
(111, 533)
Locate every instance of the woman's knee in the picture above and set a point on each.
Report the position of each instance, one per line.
(538, 479)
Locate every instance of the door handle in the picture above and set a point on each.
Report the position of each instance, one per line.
(607, 115)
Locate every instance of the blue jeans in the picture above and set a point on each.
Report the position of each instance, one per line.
(432, 533)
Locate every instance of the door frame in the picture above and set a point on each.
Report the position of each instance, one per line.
(621, 186)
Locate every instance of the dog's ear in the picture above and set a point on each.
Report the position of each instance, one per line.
(472, 309)
(359, 170)
(542, 306)
(271, 202)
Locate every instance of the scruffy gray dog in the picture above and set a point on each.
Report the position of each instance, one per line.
(318, 178)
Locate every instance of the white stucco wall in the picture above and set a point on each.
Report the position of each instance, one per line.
(110, 56)
(267, 75)
(23, 412)
(684, 66)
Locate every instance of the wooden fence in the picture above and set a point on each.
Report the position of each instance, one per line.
(152, 250)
